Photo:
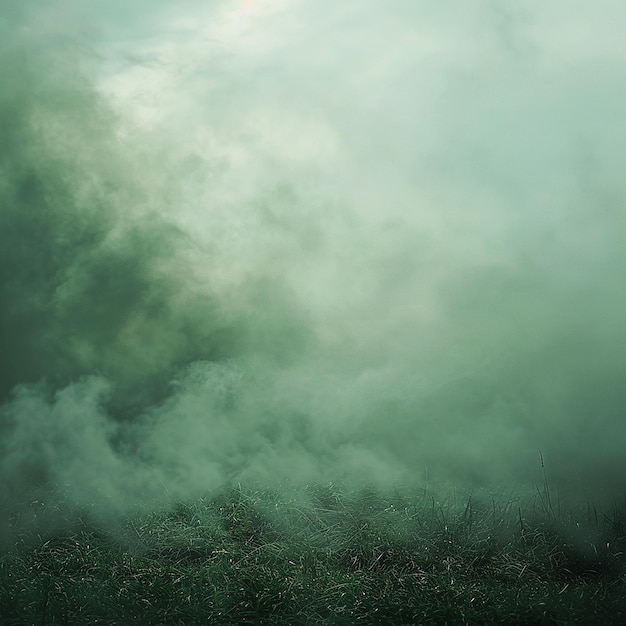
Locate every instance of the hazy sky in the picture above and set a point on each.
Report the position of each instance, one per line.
(296, 241)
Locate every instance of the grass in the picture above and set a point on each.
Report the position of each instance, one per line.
(325, 557)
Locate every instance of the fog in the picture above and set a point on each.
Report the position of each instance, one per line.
(287, 243)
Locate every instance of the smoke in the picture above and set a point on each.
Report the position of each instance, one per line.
(286, 243)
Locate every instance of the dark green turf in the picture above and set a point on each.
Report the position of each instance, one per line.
(321, 558)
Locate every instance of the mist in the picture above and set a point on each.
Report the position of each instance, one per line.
(285, 243)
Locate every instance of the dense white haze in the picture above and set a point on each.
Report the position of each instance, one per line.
(373, 243)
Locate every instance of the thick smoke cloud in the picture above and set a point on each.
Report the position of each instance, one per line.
(285, 242)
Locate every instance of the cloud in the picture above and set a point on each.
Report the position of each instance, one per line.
(308, 243)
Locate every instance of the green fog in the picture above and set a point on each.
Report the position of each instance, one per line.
(297, 243)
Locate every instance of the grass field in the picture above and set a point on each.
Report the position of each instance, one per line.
(325, 556)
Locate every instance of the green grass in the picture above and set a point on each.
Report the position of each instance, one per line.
(324, 557)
